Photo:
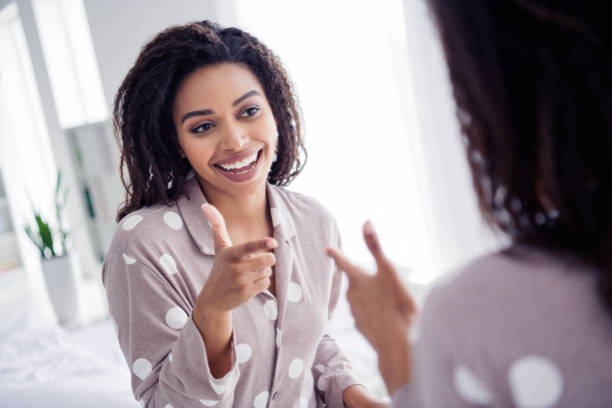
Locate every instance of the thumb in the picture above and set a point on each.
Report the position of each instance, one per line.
(217, 222)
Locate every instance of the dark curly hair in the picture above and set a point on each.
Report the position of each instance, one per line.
(533, 84)
(142, 114)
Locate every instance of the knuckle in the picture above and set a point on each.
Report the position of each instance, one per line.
(234, 269)
(250, 247)
(264, 284)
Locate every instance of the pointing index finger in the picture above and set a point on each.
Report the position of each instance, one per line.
(263, 244)
(372, 242)
(353, 272)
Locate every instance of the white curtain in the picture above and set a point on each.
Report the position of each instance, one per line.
(380, 129)
(456, 230)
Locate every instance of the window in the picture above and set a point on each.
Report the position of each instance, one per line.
(343, 58)
(71, 62)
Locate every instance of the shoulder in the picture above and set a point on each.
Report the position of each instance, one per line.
(516, 269)
(499, 289)
(143, 227)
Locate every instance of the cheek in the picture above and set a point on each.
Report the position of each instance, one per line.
(198, 152)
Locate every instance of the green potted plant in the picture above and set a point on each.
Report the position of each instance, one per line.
(58, 263)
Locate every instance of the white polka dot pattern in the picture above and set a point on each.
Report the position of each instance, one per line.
(168, 263)
(173, 220)
(176, 318)
(261, 400)
(535, 381)
(219, 389)
(128, 260)
(295, 368)
(302, 402)
(270, 309)
(208, 403)
(243, 353)
(470, 388)
(130, 222)
(294, 292)
(142, 368)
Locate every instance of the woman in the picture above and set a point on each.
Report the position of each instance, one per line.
(531, 325)
(214, 278)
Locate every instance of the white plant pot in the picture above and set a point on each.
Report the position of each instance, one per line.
(63, 282)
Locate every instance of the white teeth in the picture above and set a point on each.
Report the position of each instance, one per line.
(240, 164)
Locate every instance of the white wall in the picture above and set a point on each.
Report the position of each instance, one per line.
(120, 28)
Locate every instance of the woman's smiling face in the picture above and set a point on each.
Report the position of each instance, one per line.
(226, 129)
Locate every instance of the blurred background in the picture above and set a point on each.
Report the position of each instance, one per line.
(380, 130)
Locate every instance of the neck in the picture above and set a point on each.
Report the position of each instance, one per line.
(243, 214)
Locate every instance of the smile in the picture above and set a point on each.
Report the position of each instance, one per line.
(243, 169)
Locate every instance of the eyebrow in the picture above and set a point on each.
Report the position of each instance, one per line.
(197, 113)
(210, 111)
(246, 95)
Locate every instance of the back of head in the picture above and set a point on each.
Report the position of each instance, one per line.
(533, 84)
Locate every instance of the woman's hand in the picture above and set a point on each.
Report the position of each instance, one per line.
(238, 274)
(383, 310)
(356, 396)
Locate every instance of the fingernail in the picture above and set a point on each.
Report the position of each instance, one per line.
(271, 244)
(368, 228)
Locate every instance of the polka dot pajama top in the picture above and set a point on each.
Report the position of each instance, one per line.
(157, 264)
(520, 328)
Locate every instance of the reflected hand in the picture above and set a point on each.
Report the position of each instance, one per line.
(383, 309)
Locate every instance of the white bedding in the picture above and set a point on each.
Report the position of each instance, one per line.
(51, 367)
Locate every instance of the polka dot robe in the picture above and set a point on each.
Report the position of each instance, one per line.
(521, 328)
(154, 270)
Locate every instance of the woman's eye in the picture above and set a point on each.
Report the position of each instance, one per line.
(248, 112)
(202, 128)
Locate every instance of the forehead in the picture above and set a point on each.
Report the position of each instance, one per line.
(215, 86)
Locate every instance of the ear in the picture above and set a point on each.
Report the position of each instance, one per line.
(182, 152)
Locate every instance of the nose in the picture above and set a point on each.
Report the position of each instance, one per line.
(235, 137)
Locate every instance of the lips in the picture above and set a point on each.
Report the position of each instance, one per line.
(239, 162)
(240, 167)
(237, 157)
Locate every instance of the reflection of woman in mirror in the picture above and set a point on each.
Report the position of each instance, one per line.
(216, 277)
(531, 325)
